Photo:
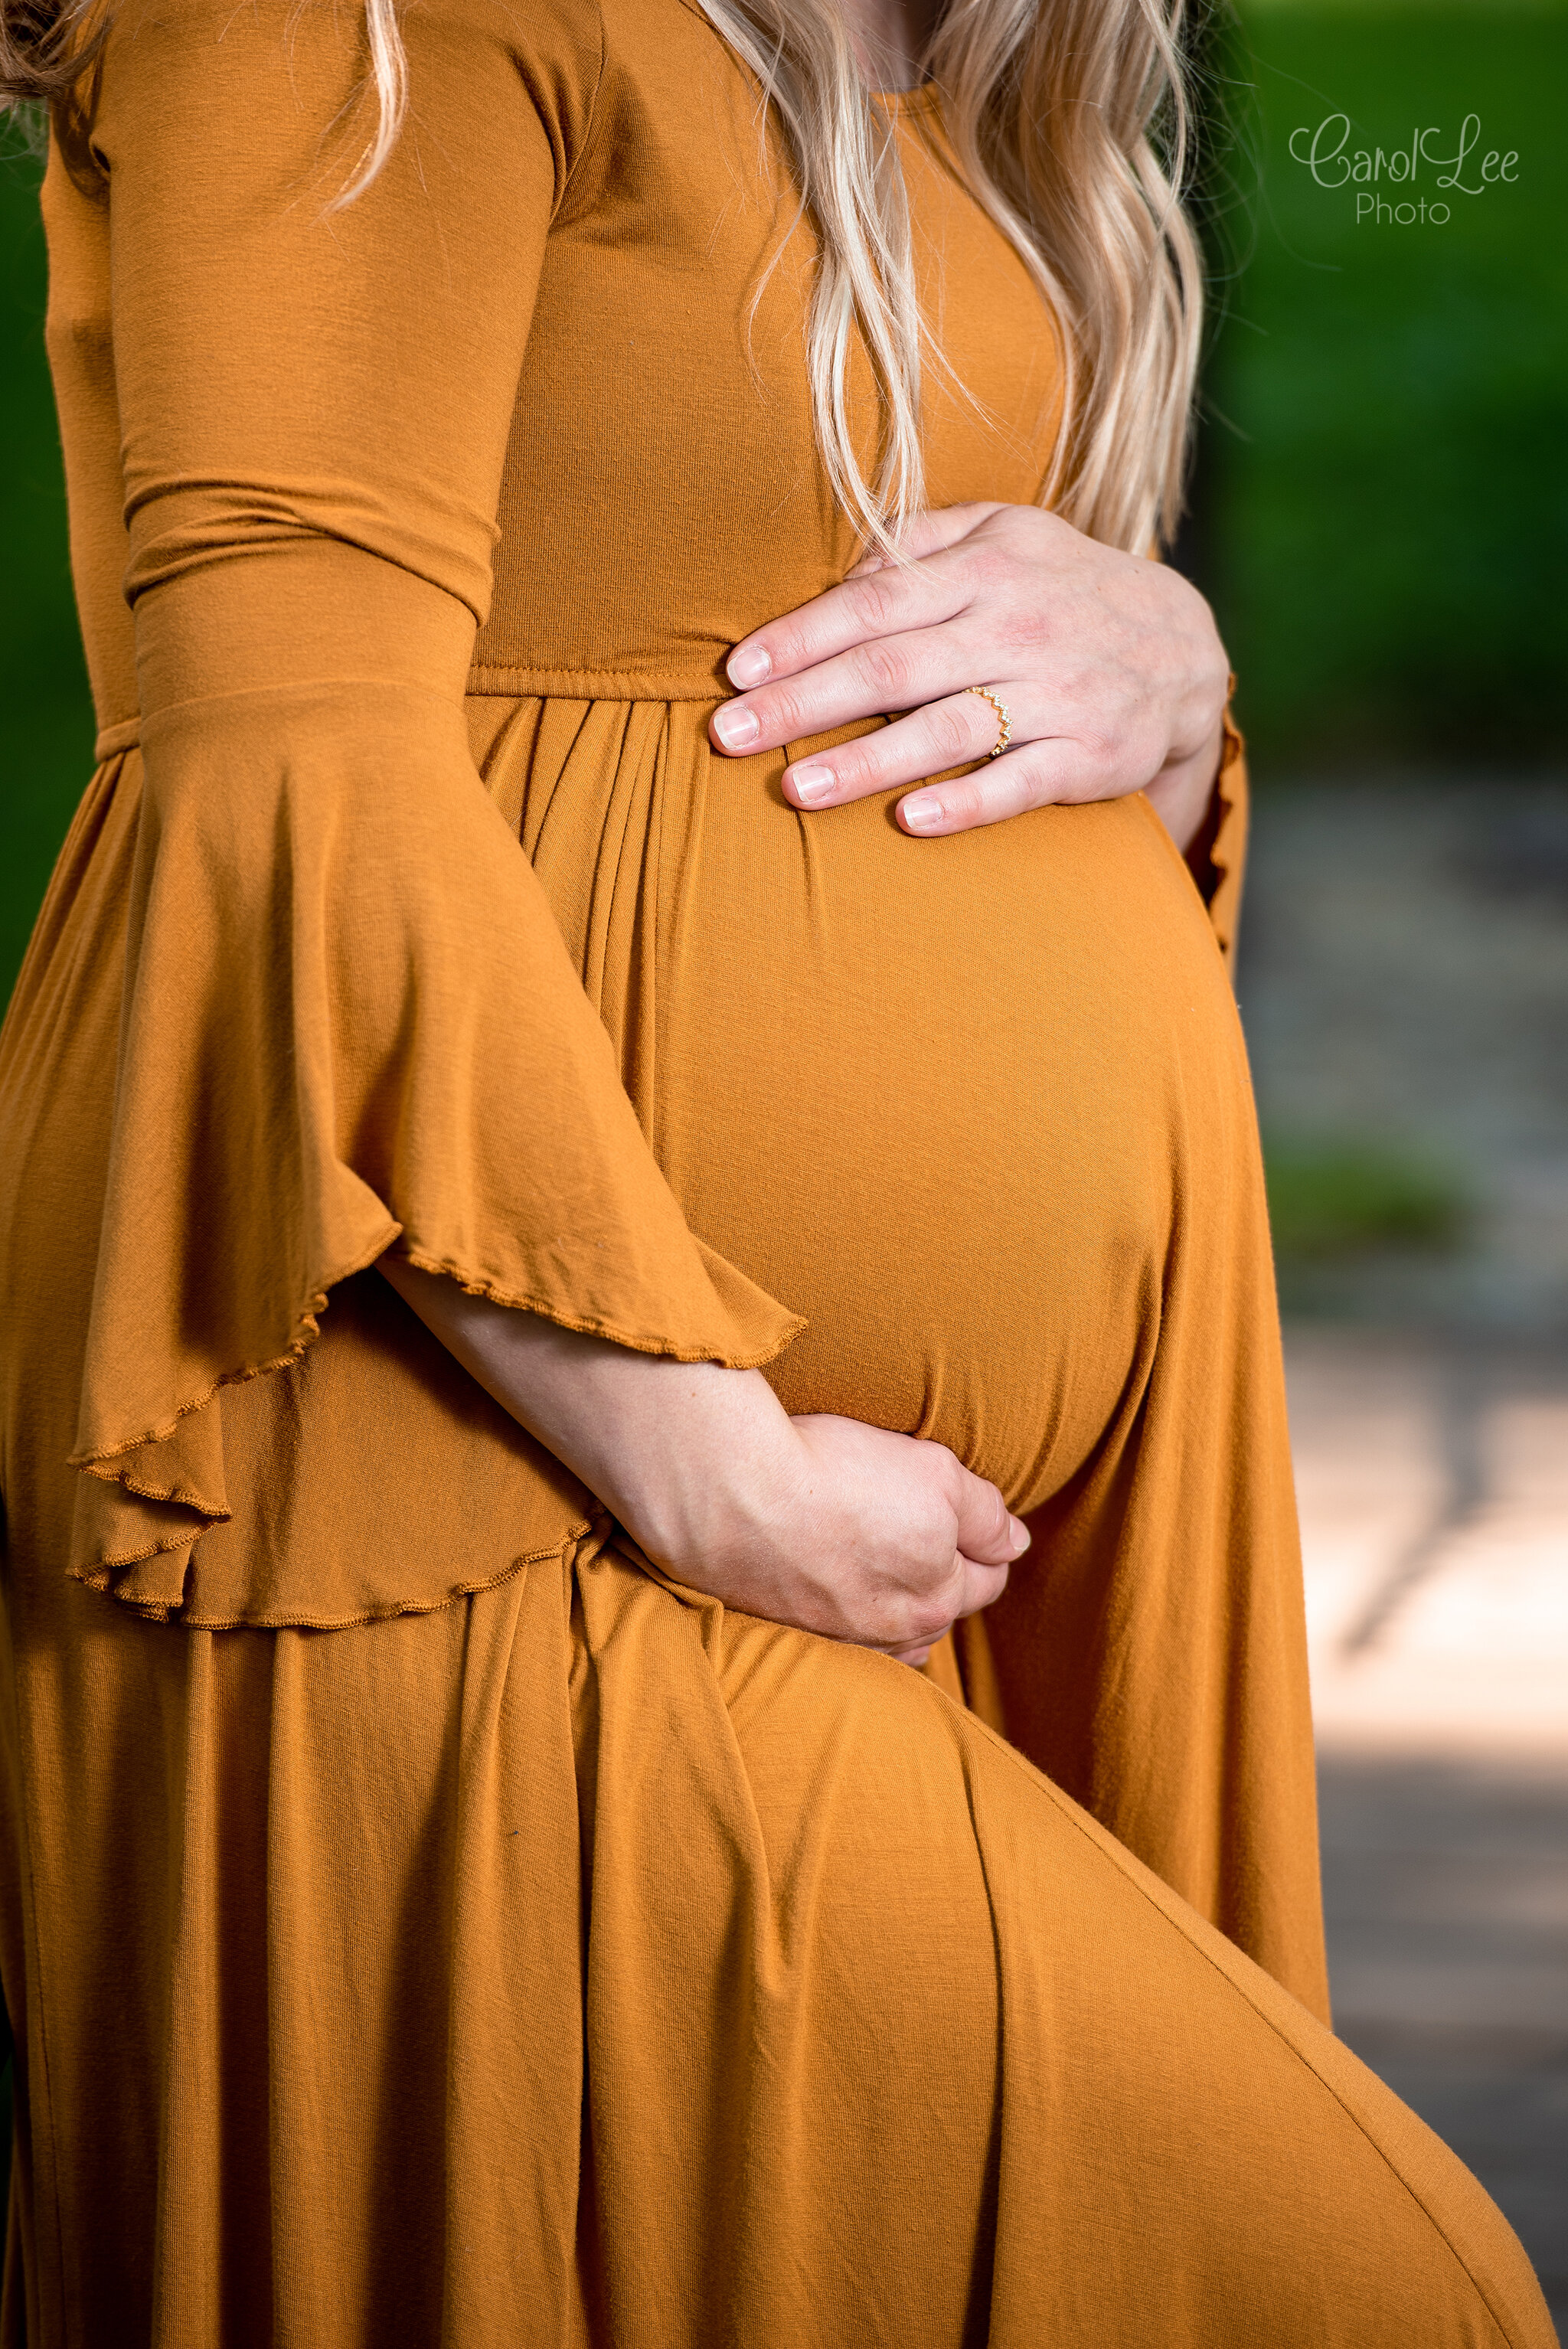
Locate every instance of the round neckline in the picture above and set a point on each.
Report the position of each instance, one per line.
(920, 100)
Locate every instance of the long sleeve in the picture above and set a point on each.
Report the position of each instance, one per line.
(350, 1017)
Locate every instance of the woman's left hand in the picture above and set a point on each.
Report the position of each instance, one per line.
(1110, 666)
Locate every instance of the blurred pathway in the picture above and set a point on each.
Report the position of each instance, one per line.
(1404, 970)
(1433, 1480)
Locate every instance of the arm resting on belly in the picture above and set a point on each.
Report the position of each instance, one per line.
(823, 1523)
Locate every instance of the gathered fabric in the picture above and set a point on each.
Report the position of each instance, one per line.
(424, 1922)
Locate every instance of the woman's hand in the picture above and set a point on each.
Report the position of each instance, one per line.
(823, 1523)
(1110, 668)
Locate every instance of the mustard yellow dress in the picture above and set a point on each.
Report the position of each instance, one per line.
(420, 1924)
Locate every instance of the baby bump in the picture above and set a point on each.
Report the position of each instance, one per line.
(954, 1100)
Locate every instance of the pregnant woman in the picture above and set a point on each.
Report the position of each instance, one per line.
(565, 1188)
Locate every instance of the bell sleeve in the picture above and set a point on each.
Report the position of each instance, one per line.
(349, 1018)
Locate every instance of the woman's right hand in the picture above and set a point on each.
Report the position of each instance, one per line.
(820, 1522)
(833, 1525)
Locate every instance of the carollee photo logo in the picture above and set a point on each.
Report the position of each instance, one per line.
(1465, 171)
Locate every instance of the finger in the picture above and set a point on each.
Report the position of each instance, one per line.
(985, 1533)
(929, 532)
(982, 1586)
(979, 1586)
(904, 671)
(872, 601)
(1057, 771)
(966, 1591)
(947, 733)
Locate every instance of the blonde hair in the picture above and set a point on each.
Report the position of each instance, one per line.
(1053, 108)
(1069, 120)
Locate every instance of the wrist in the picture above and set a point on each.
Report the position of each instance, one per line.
(695, 1458)
(673, 1449)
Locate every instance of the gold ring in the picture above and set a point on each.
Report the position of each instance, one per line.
(1004, 718)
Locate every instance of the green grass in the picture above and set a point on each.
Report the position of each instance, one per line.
(1332, 1201)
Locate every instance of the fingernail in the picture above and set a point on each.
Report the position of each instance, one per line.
(735, 727)
(812, 782)
(748, 666)
(923, 813)
(1020, 1535)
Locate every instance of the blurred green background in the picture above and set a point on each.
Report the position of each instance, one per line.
(46, 717)
(1384, 500)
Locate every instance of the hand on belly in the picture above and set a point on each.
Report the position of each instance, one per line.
(1096, 672)
(821, 1523)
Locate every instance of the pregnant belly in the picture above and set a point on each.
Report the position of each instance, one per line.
(959, 1102)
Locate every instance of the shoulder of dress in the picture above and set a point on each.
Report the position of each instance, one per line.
(569, 32)
(555, 46)
(652, 38)
(566, 33)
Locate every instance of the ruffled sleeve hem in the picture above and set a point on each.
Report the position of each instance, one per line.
(755, 1333)
(349, 1024)
(156, 1590)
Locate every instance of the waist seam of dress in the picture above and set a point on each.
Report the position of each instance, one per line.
(496, 684)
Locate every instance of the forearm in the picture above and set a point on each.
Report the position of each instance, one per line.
(644, 1433)
(823, 1523)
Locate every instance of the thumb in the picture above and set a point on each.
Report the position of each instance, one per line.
(930, 531)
